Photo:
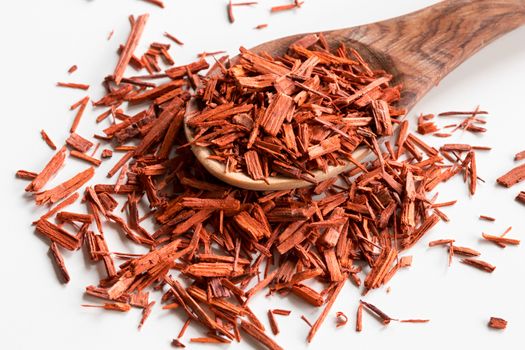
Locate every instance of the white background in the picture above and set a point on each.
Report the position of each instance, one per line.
(42, 39)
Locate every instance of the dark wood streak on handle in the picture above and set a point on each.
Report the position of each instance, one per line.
(421, 48)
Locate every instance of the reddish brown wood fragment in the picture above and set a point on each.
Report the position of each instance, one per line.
(512, 177)
(381, 116)
(173, 38)
(121, 307)
(106, 153)
(158, 3)
(327, 146)
(79, 143)
(440, 242)
(259, 286)
(204, 269)
(281, 312)
(120, 164)
(121, 179)
(177, 344)
(479, 264)
(341, 319)
(444, 204)
(85, 157)
(66, 202)
(184, 327)
(401, 137)
(359, 318)
(281, 8)
(181, 71)
(72, 69)
(59, 261)
(250, 226)
(465, 251)
(473, 177)
(66, 216)
(427, 128)
(450, 254)
(280, 109)
(521, 197)
(329, 303)
(501, 240)
(48, 172)
(405, 261)
(133, 40)
(273, 323)
(253, 165)
(171, 306)
(169, 138)
(64, 189)
(58, 235)
(80, 113)
(486, 218)
(303, 317)
(26, 175)
(97, 146)
(459, 113)
(213, 53)
(385, 319)
(261, 26)
(519, 156)
(145, 314)
(205, 340)
(229, 9)
(259, 335)
(441, 134)
(414, 321)
(156, 92)
(73, 85)
(48, 140)
(497, 323)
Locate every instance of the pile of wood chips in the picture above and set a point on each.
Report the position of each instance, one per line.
(264, 115)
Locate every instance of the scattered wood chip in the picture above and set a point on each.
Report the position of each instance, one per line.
(479, 264)
(497, 323)
(512, 177)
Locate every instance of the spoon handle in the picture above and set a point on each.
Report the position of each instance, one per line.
(424, 46)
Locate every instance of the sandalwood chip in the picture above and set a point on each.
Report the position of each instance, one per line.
(342, 319)
(177, 344)
(26, 175)
(79, 143)
(137, 28)
(512, 177)
(64, 189)
(59, 261)
(58, 235)
(486, 218)
(479, 264)
(49, 171)
(48, 140)
(497, 323)
(521, 197)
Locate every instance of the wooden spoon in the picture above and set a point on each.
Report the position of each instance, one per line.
(419, 49)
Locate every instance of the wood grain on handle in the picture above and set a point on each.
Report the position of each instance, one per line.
(423, 47)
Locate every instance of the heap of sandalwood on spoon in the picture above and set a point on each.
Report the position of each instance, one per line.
(290, 115)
